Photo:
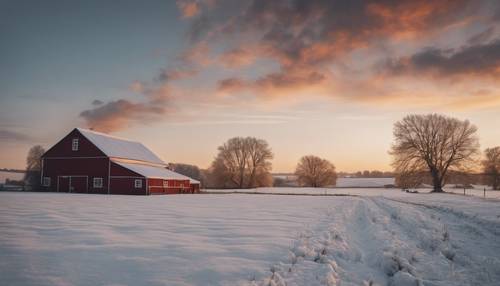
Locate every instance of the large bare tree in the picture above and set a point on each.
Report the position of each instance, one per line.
(435, 143)
(491, 167)
(313, 171)
(242, 162)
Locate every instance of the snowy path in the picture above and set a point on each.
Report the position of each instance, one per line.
(380, 241)
(236, 239)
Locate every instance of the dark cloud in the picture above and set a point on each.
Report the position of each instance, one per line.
(119, 114)
(97, 102)
(166, 75)
(272, 81)
(481, 59)
(482, 37)
(231, 84)
(312, 34)
(12, 136)
(284, 80)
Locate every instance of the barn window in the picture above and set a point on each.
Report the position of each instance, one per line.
(74, 144)
(46, 181)
(138, 183)
(97, 182)
(165, 184)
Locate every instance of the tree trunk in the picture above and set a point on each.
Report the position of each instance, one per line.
(436, 181)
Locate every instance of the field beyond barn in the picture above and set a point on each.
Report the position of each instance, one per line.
(380, 237)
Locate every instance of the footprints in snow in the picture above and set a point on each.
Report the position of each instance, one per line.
(374, 236)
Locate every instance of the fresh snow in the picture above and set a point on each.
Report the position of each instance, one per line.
(478, 192)
(364, 182)
(120, 148)
(378, 237)
(156, 172)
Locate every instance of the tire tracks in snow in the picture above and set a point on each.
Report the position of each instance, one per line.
(380, 241)
(473, 220)
(472, 243)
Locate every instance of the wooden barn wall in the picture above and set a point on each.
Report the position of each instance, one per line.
(156, 186)
(90, 167)
(63, 147)
(117, 171)
(195, 188)
(126, 186)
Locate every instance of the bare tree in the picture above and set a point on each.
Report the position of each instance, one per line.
(191, 171)
(435, 143)
(312, 171)
(34, 166)
(491, 167)
(242, 163)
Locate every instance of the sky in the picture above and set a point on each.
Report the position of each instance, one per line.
(322, 77)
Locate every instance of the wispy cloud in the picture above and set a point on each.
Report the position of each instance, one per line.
(476, 60)
(311, 48)
(13, 136)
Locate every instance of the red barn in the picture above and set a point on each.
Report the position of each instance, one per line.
(85, 161)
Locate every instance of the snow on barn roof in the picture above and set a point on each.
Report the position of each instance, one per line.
(120, 148)
(155, 172)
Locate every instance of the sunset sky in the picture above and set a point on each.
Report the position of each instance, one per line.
(327, 78)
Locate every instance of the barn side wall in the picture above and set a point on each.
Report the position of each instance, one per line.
(195, 188)
(79, 169)
(122, 181)
(160, 186)
(126, 186)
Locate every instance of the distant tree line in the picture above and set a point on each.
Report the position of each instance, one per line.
(11, 170)
(367, 174)
(428, 149)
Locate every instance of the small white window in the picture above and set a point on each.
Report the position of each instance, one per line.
(182, 185)
(97, 182)
(74, 144)
(46, 181)
(165, 184)
(138, 183)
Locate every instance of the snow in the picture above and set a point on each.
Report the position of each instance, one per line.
(378, 237)
(116, 147)
(353, 191)
(364, 182)
(149, 171)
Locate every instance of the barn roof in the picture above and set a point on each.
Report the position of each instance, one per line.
(155, 172)
(120, 148)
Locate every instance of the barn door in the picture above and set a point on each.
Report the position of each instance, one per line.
(78, 185)
(63, 184)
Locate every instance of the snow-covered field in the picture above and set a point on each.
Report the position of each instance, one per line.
(478, 192)
(381, 237)
(364, 182)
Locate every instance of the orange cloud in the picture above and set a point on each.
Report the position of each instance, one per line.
(188, 8)
(237, 57)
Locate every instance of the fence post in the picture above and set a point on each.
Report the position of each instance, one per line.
(484, 190)
(464, 191)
